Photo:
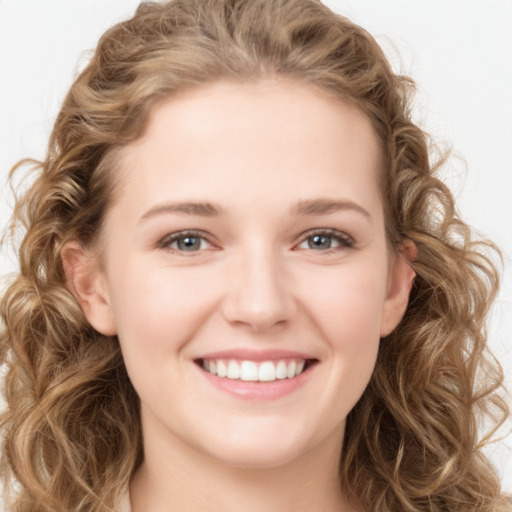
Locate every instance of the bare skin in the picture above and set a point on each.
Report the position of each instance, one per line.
(249, 218)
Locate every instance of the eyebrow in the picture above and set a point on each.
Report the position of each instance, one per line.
(303, 208)
(326, 206)
(200, 209)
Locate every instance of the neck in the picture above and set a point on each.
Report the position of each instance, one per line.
(187, 480)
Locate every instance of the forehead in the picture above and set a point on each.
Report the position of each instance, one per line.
(255, 138)
(272, 102)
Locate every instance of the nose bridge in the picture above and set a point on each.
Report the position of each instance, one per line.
(259, 292)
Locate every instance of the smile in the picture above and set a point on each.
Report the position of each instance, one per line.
(252, 371)
(256, 375)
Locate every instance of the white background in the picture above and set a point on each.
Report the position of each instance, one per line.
(459, 52)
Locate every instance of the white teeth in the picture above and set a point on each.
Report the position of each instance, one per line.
(281, 370)
(267, 371)
(233, 370)
(251, 371)
(221, 369)
(248, 371)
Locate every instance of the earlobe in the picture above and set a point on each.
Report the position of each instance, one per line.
(400, 285)
(86, 282)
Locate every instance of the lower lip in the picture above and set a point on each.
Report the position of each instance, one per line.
(258, 390)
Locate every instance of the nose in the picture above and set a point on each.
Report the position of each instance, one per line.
(259, 293)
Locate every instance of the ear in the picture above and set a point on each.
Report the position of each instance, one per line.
(86, 281)
(401, 279)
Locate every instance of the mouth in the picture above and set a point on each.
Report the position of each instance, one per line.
(256, 371)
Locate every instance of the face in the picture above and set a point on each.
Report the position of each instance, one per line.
(246, 271)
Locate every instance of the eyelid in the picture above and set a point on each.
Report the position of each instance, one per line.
(167, 240)
(346, 241)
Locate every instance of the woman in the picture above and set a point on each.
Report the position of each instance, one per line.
(242, 284)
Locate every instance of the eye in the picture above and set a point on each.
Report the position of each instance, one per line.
(185, 241)
(328, 240)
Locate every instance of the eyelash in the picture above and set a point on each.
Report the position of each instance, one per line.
(165, 242)
(345, 241)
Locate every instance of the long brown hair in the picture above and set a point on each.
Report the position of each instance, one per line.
(71, 427)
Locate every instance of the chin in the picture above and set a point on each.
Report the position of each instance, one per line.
(257, 457)
(255, 450)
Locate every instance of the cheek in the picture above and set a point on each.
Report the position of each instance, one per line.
(349, 300)
(347, 309)
(159, 308)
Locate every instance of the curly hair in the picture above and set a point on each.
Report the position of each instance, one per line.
(71, 427)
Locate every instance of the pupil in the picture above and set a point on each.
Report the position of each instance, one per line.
(319, 242)
(189, 243)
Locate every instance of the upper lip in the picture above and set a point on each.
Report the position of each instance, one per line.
(256, 355)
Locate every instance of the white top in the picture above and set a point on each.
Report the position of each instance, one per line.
(125, 502)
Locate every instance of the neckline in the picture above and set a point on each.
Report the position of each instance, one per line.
(125, 502)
